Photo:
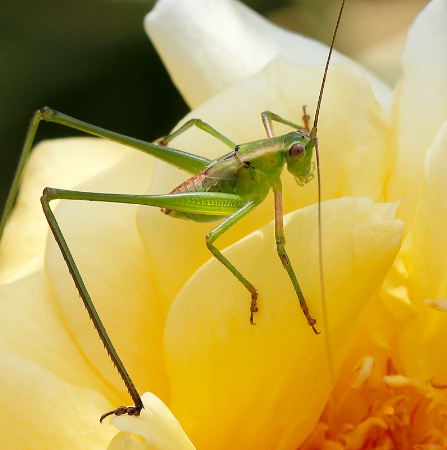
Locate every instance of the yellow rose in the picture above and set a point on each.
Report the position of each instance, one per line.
(180, 320)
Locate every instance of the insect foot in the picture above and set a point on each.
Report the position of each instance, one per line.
(129, 410)
(161, 141)
(310, 320)
(253, 306)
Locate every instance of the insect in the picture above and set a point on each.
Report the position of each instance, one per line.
(226, 189)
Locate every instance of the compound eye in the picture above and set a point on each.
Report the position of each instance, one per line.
(297, 150)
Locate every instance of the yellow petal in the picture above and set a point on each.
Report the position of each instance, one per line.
(272, 380)
(155, 428)
(420, 103)
(49, 390)
(44, 411)
(421, 343)
(59, 163)
(43, 336)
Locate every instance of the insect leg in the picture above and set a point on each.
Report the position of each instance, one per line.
(183, 160)
(201, 125)
(196, 202)
(19, 172)
(280, 246)
(47, 196)
(268, 117)
(218, 231)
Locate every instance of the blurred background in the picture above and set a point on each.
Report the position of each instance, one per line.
(92, 60)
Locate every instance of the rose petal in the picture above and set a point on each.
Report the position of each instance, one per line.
(421, 343)
(440, 304)
(420, 103)
(44, 411)
(227, 43)
(58, 163)
(46, 384)
(428, 239)
(43, 337)
(156, 428)
(272, 380)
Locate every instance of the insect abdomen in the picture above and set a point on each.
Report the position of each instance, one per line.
(200, 182)
(193, 184)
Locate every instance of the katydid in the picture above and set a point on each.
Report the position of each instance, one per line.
(225, 189)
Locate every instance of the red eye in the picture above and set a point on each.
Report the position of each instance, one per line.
(296, 150)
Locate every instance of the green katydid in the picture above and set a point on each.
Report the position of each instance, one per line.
(225, 189)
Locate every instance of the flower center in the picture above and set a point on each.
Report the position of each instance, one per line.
(382, 409)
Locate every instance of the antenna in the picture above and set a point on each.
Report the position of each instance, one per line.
(317, 112)
(320, 235)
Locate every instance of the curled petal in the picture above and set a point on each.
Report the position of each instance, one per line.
(155, 428)
(439, 304)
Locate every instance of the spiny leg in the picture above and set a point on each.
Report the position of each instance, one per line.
(201, 125)
(280, 246)
(218, 231)
(48, 195)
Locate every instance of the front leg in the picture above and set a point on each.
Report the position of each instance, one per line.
(280, 246)
(201, 125)
(268, 117)
(218, 231)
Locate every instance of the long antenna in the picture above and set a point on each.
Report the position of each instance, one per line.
(317, 112)
(320, 234)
